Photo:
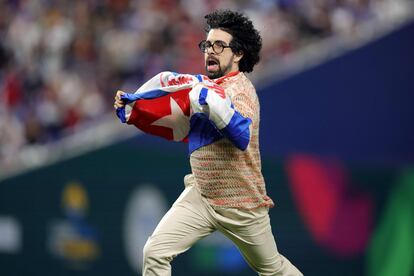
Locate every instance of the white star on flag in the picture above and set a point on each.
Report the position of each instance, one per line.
(177, 121)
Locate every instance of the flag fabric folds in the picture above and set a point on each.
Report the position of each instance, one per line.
(184, 107)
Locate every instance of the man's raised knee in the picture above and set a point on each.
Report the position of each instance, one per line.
(152, 251)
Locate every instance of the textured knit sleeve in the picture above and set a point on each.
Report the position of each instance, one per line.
(245, 105)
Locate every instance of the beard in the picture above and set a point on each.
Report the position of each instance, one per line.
(216, 74)
(220, 72)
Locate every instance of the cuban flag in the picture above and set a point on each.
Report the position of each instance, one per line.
(187, 108)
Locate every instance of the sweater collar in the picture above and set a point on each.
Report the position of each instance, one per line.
(226, 77)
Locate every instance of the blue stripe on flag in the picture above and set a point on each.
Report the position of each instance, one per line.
(237, 131)
(151, 94)
(120, 112)
(203, 96)
(202, 132)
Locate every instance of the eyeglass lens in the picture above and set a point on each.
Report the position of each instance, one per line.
(218, 46)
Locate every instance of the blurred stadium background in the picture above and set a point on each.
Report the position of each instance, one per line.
(80, 193)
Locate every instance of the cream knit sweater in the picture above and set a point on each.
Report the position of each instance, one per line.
(225, 175)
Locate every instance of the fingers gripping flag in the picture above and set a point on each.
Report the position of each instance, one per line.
(183, 107)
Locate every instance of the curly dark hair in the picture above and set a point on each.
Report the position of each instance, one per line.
(246, 39)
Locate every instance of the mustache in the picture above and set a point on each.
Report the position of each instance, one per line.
(212, 59)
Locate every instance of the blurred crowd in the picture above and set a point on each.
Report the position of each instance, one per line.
(62, 61)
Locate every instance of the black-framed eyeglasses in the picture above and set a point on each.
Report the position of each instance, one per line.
(218, 46)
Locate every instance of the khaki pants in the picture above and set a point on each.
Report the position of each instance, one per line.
(191, 218)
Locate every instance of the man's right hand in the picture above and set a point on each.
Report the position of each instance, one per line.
(119, 103)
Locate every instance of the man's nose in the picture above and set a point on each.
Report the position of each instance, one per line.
(210, 50)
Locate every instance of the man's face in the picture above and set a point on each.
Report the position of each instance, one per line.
(220, 64)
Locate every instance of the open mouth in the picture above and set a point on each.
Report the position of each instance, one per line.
(212, 64)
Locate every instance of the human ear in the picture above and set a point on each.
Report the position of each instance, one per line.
(238, 56)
